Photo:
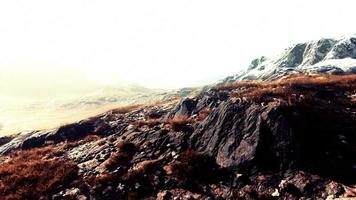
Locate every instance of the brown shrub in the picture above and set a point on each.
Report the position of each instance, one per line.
(101, 128)
(181, 123)
(32, 175)
(127, 147)
(192, 168)
(126, 109)
(203, 114)
(121, 158)
(268, 93)
(101, 142)
(112, 138)
(116, 159)
(148, 122)
(101, 179)
(142, 169)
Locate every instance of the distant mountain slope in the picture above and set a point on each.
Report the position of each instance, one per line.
(333, 56)
(41, 97)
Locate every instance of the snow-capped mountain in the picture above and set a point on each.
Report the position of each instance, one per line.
(334, 56)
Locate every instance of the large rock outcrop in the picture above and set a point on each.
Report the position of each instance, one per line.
(253, 137)
(236, 130)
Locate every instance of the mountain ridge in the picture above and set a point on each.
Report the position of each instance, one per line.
(332, 56)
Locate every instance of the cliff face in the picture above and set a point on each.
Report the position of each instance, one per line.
(285, 139)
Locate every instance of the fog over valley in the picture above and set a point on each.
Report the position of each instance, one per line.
(40, 98)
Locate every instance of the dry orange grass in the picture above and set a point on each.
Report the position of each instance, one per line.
(290, 87)
(116, 159)
(180, 123)
(140, 170)
(122, 157)
(203, 114)
(313, 80)
(148, 122)
(34, 174)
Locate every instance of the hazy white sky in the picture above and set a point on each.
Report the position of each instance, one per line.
(160, 43)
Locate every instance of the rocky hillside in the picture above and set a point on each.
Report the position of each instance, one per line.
(332, 56)
(293, 138)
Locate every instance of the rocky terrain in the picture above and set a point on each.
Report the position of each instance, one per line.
(332, 56)
(292, 138)
(285, 128)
